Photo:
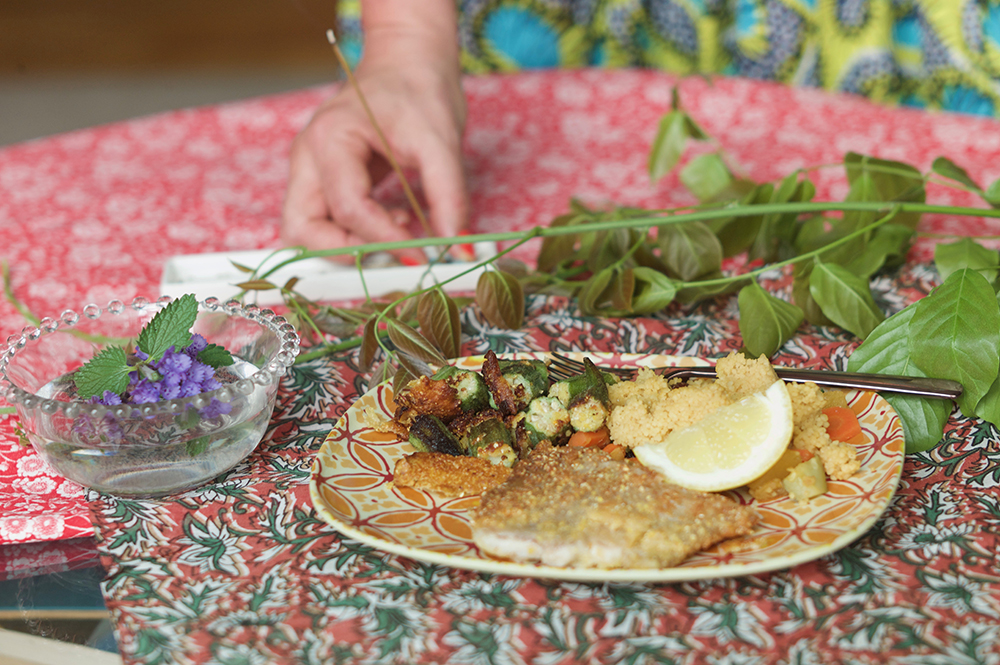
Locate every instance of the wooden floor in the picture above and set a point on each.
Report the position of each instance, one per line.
(134, 36)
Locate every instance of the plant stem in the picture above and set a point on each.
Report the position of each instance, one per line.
(799, 257)
(331, 37)
(636, 222)
(8, 292)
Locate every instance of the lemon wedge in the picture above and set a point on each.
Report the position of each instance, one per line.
(729, 447)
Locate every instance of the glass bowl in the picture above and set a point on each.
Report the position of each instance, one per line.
(148, 449)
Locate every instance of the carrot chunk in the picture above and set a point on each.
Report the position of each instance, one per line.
(617, 452)
(600, 438)
(844, 425)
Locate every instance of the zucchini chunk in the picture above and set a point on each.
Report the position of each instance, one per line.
(429, 435)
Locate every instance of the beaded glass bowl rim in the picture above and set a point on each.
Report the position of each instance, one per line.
(273, 369)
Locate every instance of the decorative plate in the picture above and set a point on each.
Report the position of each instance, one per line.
(352, 489)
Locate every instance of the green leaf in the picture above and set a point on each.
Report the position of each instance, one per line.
(381, 374)
(594, 292)
(923, 420)
(802, 296)
(966, 253)
(777, 231)
(369, 345)
(241, 267)
(668, 145)
(949, 169)
(407, 340)
(438, 317)
(889, 245)
(707, 176)
(698, 292)
(766, 321)
(556, 249)
(894, 181)
(414, 366)
(198, 446)
(608, 248)
(622, 287)
(690, 250)
(863, 190)
(992, 194)
(736, 234)
(215, 356)
(501, 299)
(107, 370)
(653, 291)
(257, 285)
(400, 378)
(989, 406)
(170, 327)
(955, 334)
(845, 298)
(887, 351)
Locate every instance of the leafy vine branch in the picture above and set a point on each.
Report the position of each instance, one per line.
(628, 261)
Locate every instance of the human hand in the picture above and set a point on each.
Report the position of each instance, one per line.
(415, 94)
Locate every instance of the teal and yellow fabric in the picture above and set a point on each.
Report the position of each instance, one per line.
(941, 54)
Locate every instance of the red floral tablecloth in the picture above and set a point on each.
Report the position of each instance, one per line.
(242, 569)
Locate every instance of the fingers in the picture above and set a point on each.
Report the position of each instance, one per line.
(331, 207)
(444, 187)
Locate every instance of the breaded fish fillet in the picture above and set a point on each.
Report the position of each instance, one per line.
(448, 475)
(571, 506)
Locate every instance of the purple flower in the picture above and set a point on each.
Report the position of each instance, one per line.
(216, 408)
(171, 391)
(197, 345)
(200, 372)
(145, 391)
(181, 374)
(173, 363)
(210, 384)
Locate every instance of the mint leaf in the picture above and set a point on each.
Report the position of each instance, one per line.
(170, 327)
(108, 370)
(216, 356)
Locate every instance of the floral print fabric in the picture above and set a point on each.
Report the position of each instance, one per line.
(942, 54)
(241, 570)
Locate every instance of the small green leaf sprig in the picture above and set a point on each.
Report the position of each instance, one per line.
(114, 369)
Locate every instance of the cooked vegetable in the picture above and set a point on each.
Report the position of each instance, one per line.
(769, 486)
(844, 424)
(500, 390)
(806, 480)
(617, 452)
(429, 397)
(528, 379)
(469, 387)
(586, 398)
(490, 440)
(546, 418)
(596, 439)
(429, 435)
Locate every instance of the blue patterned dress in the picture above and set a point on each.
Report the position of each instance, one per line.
(942, 54)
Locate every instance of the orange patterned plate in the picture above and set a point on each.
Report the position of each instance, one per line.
(352, 489)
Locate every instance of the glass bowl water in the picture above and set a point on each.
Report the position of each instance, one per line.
(148, 449)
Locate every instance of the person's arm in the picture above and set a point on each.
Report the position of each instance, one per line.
(410, 76)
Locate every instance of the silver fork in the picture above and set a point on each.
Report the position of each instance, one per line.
(562, 368)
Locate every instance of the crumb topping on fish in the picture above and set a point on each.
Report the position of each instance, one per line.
(567, 506)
